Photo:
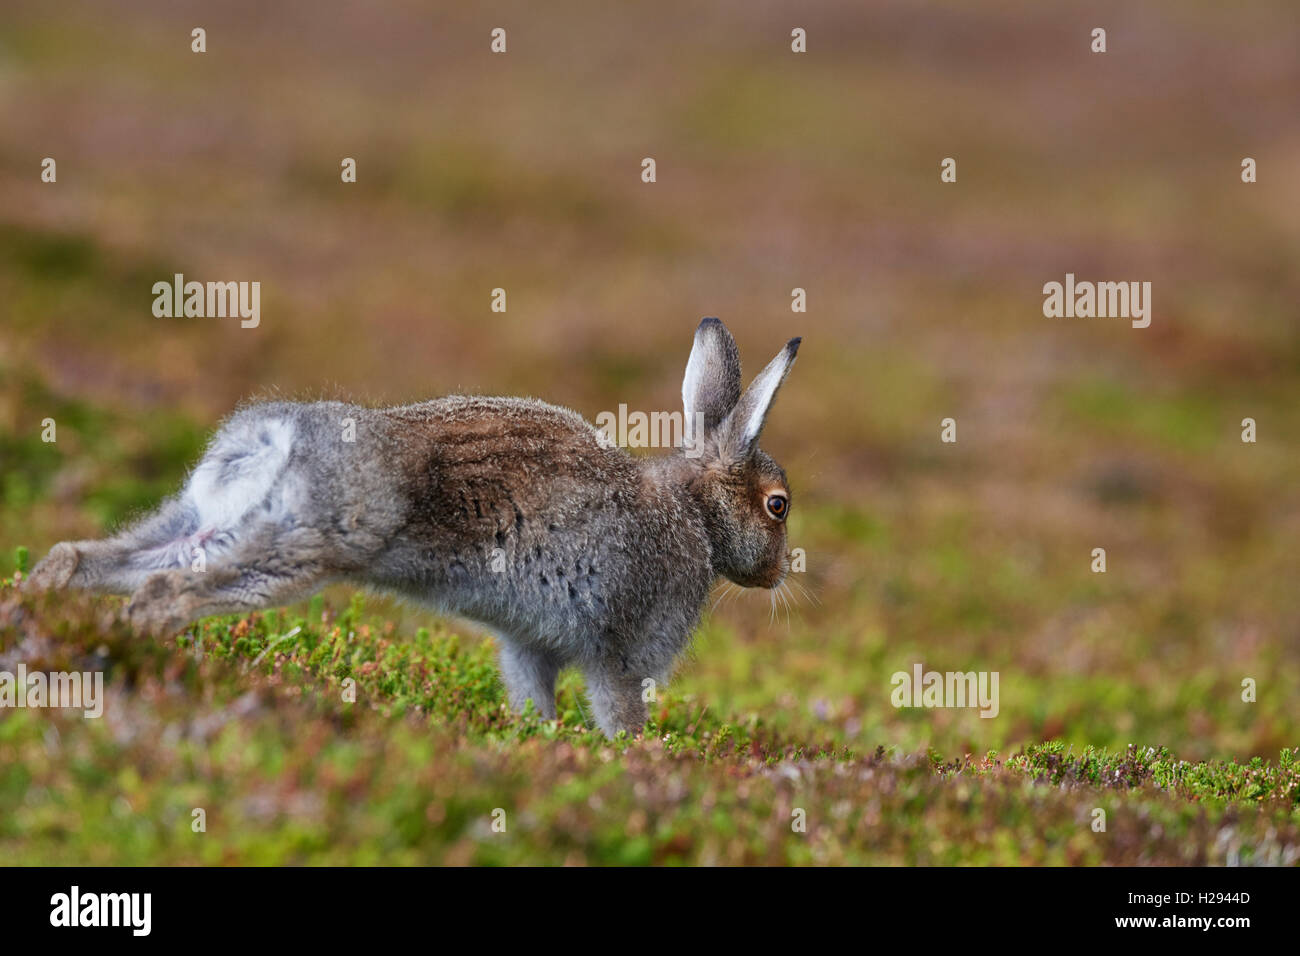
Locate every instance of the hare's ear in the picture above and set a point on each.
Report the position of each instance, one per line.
(712, 383)
(743, 426)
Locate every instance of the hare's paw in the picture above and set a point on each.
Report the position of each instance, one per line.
(616, 699)
(160, 607)
(56, 569)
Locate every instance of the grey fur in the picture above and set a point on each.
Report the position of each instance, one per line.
(507, 511)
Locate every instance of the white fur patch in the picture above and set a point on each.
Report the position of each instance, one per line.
(239, 472)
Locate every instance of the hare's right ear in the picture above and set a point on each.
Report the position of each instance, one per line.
(711, 387)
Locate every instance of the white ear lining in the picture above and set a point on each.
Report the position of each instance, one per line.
(711, 385)
(763, 390)
(697, 370)
(694, 378)
(751, 410)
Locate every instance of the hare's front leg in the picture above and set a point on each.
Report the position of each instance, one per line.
(617, 697)
(529, 673)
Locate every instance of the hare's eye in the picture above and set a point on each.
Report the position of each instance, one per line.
(777, 506)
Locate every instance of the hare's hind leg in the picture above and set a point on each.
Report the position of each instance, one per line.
(269, 566)
(120, 564)
(529, 673)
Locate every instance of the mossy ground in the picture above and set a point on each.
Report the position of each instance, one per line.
(326, 738)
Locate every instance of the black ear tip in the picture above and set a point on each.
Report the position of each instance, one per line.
(707, 321)
(793, 346)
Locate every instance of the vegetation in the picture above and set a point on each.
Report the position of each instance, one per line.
(331, 738)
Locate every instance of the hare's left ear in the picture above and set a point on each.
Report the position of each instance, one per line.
(741, 429)
(711, 385)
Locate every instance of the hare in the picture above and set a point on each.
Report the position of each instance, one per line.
(510, 512)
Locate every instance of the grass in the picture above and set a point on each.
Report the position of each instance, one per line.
(328, 737)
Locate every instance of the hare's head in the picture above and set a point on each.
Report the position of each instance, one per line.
(744, 493)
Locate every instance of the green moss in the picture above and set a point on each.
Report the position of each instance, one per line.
(289, 770)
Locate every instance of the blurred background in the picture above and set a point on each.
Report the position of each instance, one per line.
(774, 171)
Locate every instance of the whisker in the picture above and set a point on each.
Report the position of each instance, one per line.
(725, 595)
(809, 594)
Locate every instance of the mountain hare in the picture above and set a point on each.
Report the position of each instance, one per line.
(511, 512)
